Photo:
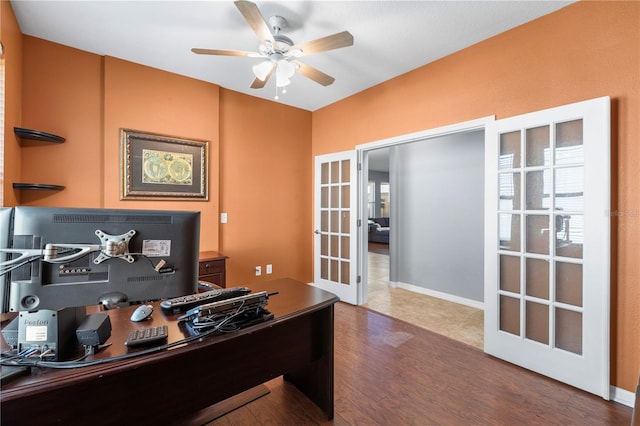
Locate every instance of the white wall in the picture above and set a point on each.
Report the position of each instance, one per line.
(437, 214)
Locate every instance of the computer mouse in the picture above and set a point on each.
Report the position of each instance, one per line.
(141, 313)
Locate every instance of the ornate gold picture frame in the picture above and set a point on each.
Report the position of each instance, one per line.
(154, 166)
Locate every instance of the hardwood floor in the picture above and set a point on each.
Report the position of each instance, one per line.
(389, 372)
(379, 248)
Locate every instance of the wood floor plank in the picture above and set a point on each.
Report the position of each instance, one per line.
(391, 372)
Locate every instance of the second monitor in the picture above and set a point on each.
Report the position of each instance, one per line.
(103, 256)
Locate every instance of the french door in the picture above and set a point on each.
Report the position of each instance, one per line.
(547, 242)
(335, 218)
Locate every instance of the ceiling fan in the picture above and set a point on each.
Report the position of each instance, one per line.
(279, 51)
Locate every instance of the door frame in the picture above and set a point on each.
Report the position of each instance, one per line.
(362, 151)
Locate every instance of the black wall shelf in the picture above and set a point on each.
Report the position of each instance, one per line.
(38, 186)
(37, 135)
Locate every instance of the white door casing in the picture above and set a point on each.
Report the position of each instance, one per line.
(547, 242)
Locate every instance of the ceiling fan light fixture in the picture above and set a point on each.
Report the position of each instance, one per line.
(262, 70)
(284, 72)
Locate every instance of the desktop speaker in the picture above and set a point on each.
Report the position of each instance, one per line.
(94, 330)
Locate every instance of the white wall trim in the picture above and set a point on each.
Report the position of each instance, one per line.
(477, 124)
(438, 294)
(622, 396)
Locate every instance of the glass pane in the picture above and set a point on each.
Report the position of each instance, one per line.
(324, 197)
(344, 272)
(324, 173)
(324, 221)
(570, 189)
(537, 320)
(335, 197)
(344, 247)
(569, 147)
(569, 283)
(510, 150)
(334, 246)
(510, 315)
(537, 143)
(324, 268)
(335, 270)
(345, 222)
(510, 274)
(324, 245)
(509, 228)
(539, 190)
(570, 237)
(335, 172)
(346, 190)
(537, 282)
(569, 330)
(509, 187)
(335, 221)
(346, 169)
(537, 231)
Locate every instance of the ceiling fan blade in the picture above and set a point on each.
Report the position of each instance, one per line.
(254, 18)
(259, 84)
(220, 52)
(314, 74)
(335, 41)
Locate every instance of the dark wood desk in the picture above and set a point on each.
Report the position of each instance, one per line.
(171, 385)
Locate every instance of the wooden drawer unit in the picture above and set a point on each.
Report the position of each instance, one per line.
(212, 268)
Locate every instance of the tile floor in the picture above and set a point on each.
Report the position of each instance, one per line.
(454, 320)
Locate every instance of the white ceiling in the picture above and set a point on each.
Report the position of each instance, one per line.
(391, 37)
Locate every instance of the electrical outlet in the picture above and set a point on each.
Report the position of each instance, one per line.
(258, 271)
(269, 268)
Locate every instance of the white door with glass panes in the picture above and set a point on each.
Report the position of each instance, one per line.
(335, 245)
(547, 242)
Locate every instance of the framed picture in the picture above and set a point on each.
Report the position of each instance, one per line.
(154, 166)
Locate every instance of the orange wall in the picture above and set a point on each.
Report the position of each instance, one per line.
(61, 94)
(586, 50)
(12, 41)
(142, 98)
(263, 180)
(266, 176)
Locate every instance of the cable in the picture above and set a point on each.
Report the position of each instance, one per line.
(8, 268)
(20, 361)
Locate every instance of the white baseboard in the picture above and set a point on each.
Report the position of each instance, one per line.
(622, 396)
(440, 295)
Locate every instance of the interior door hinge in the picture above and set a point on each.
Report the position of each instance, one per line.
(359, 166)
(358, 279)
(359, 223)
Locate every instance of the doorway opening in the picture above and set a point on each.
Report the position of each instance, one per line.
(431, 274)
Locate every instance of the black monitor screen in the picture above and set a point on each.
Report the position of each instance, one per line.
(103, 256)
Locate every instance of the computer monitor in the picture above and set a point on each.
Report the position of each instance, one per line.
(112, 257)
(6, 223)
